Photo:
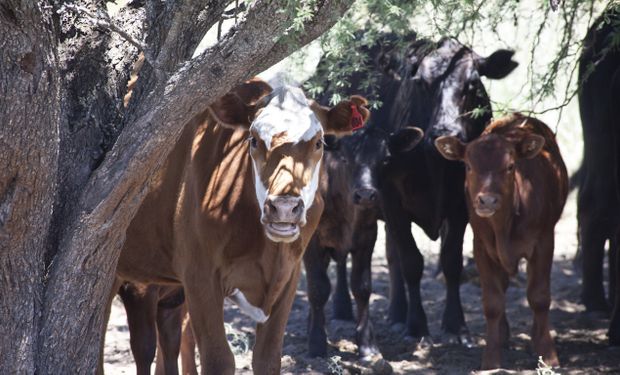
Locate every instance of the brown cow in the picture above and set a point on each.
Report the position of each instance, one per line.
(516, 186)
(232, 210)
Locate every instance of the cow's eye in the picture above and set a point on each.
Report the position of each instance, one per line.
(253, 142)
(319, 144)
(467, 167)
(511, 168)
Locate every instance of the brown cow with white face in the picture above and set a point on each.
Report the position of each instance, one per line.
(231, 213)
(516, 186)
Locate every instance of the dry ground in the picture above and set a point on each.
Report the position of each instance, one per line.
(580, 340)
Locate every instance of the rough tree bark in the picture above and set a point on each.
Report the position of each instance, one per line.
(74, 163)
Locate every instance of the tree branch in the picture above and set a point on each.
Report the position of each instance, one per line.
(103, 20)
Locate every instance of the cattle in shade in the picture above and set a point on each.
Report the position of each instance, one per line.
(437, 87)
(598, 202)
(516, 186)
(232, 210)
(348, 226)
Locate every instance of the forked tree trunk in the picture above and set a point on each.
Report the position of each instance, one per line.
(75, 164)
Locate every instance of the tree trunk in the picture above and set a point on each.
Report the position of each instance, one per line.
(75, 164)
(29, 113)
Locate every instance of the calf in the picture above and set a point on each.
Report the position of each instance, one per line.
(348, 225)
(232, 210)
(598, 202)
(516, 185)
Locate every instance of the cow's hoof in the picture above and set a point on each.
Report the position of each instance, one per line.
(378, 365)
(425, 343)
(368, 352)
(463, 338)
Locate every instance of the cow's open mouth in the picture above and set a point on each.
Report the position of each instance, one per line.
(282, 232)
(485, 212)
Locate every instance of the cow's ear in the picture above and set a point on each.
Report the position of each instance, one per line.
(497, 65)
(343, 118)
(405, 139)
(529, 146)
(450, 147)
(252, 91)
(238, 107)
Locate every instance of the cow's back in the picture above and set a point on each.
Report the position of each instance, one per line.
(150, 236)
(543, 180)
(599, 74)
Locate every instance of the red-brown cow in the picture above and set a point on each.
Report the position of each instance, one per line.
(231, 213)
(516, 186)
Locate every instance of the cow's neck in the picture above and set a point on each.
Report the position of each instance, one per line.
(505, 224)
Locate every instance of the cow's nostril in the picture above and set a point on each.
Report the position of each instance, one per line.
(364, 196)
(487, 200)
(297, 208)
(356, 197)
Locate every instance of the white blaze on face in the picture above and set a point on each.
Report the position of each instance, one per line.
(288, 111)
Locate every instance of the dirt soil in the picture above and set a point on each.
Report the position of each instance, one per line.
(580, 338)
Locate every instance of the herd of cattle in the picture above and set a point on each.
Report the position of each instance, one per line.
(266, 178)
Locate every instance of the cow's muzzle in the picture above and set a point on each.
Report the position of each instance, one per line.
(486, 204)
(365, 197)
(282, 218)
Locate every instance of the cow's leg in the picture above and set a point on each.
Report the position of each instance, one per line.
(614, 324)
(361, 286)
(205, 302)
(494, 282)
(593, 234)
(397, 310)
(115, 287)
(269, 335)
(141, 309)
(169, 320)
(539, 298)
(188, 346)
(451, 259)
(341, 299)
(412, 266)
(613, 258)
(316, 260)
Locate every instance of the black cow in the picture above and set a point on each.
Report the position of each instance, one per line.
(348, 225)
(598, 204)
(437, 87)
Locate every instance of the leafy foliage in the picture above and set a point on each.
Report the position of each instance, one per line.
(553, 39)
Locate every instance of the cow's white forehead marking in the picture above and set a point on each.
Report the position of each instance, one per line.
(288, 111)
